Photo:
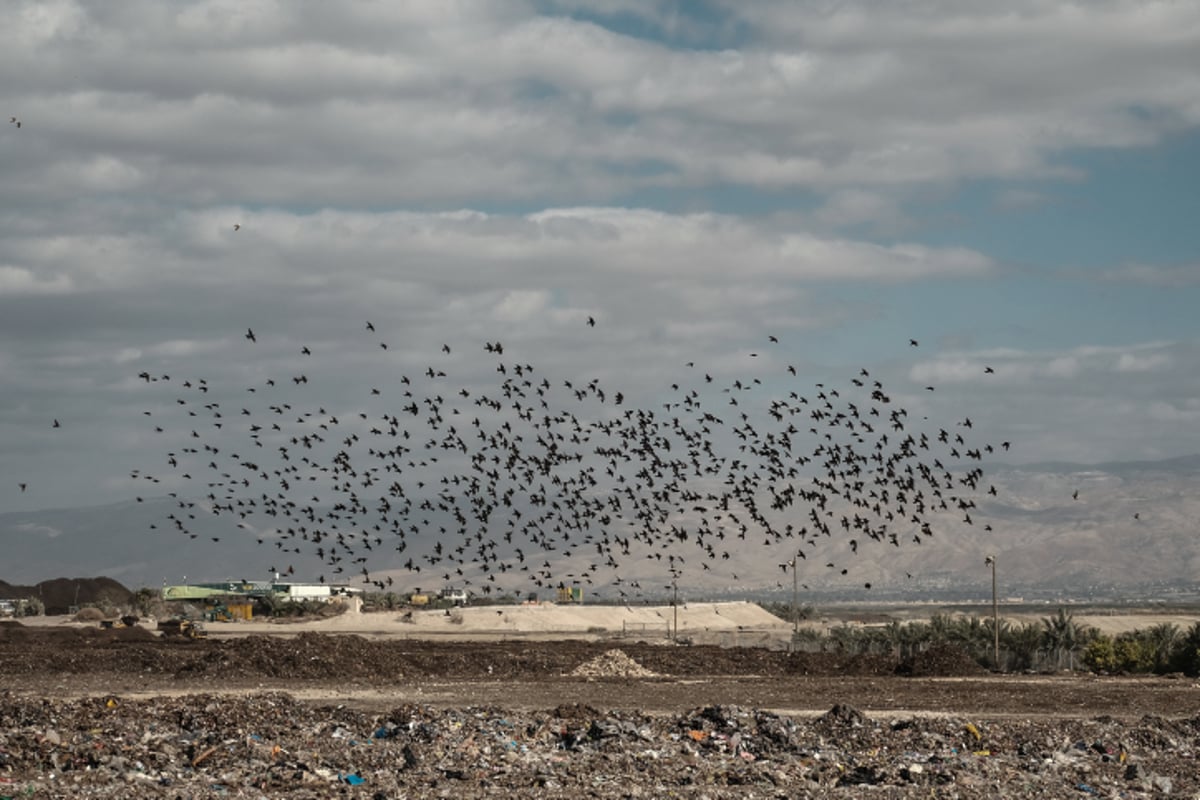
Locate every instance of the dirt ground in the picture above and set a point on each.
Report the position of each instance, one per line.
(75, 661)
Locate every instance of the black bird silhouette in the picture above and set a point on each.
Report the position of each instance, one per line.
(250, 335)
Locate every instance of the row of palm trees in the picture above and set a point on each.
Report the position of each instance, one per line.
(1161, 648)
(1055, 642)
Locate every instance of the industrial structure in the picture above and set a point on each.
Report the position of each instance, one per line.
(236, 599)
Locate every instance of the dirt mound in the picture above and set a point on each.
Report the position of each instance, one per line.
(612, 664)
(11, 630)
(73, 649)
(59, 594)
(940, 661)
(309, 655)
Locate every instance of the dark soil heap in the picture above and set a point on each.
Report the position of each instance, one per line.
(59, 594)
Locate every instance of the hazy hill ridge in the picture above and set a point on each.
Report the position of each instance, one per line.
(1132, 523)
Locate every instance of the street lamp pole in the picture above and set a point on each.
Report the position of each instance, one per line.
(991, 561)
(795, 606)
(675, 608)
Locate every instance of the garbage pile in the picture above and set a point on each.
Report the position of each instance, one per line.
(271, 745)
(612, 664)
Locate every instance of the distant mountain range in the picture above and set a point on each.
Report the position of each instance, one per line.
(1133, 524)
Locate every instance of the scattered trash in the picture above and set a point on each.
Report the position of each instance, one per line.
(269, 744)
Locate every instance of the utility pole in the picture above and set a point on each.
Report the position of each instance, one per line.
(675, 608)
(795, 594)
(991, 562)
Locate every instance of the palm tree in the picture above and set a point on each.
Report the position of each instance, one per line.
(1064, 635)
(1162, 639)
(940, 626)
(1186, 657)
(1023, 642)
(846, 639)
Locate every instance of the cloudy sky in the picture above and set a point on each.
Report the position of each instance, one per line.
(1014, 185)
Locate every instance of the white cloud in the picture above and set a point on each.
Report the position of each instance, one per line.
(33, 529)
(23, 281)
(474, 250)
(415, 103)
(1062, 367)
(1134, 362)
(1009, 366)
(99, 173)
(1187, 411)
(521, 305)
(856, 207)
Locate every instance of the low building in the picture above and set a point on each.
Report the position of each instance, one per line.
(451, 595)
(255, 590)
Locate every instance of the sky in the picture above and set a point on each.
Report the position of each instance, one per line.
(1012, 185)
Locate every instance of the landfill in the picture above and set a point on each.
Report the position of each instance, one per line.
(121, 714)
(271, 745)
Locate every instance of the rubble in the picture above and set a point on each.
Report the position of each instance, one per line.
(612, 664)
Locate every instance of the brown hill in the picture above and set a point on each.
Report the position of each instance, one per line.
(59, 594)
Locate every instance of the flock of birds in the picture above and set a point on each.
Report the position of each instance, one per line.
(527, 479)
